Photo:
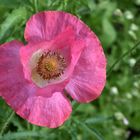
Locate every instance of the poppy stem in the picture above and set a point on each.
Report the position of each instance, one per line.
(75, 105)
(36, 5)
(121, 57)
(7, 122)
(64, 3)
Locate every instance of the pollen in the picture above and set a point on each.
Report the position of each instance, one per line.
(51, 65)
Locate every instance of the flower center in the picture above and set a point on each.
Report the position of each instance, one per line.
(51, 65)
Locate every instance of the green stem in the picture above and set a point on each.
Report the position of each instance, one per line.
(36, 5)
(92, 131)
(64, 3)
(75, 105)
(7, 122)
(121, 57)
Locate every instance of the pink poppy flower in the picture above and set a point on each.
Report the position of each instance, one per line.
(62, 54)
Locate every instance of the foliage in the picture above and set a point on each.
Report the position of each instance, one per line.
(116, 114)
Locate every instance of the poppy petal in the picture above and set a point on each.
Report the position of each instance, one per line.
(50, 111)
(45, 26)
(89, 76)
(12, 82)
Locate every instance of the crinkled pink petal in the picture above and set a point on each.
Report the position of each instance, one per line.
(71, 51)
(89, 77)
(45, 26)
(13, 87)
(20, 94)
(50, 111)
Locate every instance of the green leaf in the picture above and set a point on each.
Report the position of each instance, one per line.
(25, 134)
(136, 68)
(14, 19)
(12, 3)
(7, 122)
(8, 3)
(135, 119)
(109, 33)
(5, 112)
(122, 56)
(98, 120)
(94, 133)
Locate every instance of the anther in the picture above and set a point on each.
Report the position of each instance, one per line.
(51, 65)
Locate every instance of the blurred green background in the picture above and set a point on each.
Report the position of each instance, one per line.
(116, 114)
